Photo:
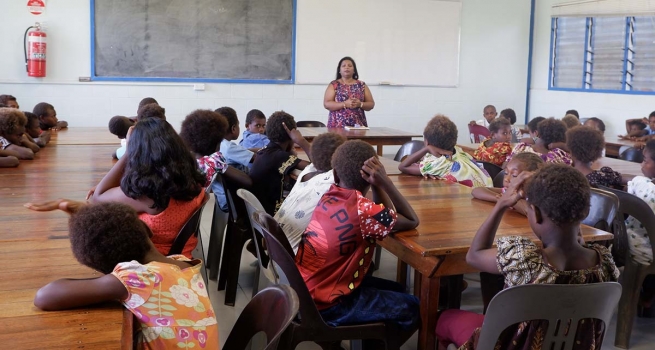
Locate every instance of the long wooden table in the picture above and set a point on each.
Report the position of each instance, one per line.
(449, 218)
(390, 165)
(376, 136)
(613, 144)
(84, 136)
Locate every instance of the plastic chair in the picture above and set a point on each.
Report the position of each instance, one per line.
(265, 267)
(190, 228)
(478, 133)
(309, 124)
(633, 274)
(491, 168)
(556, 303)
(499, 179)
(407, 149)
(312, 327)
(270, 311)
(603, 209)
(632, 155)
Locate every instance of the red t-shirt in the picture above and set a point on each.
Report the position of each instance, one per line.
(337, 247)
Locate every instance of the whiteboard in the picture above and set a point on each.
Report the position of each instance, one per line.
(401, 42)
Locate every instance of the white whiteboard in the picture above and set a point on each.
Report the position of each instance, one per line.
(402, 42)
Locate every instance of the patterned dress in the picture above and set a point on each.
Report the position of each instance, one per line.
(170, 303)
(555, 155)
(495, 154)
(211, 165)
(605, 177)
(520, 262)
(639, 244)
(458, 168)
(347, 116)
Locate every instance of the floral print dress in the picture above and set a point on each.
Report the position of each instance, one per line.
(347, 116)
(458, 168)
(639, 244)
(555, 155)
(171, 304)
(495, 154)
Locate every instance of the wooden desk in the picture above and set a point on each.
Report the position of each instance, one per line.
(449, 218)
(84, 136)
(376, 136)
(390, 165)
(613, 144)
(35, 250)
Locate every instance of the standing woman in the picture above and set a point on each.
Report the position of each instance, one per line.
(347, 98)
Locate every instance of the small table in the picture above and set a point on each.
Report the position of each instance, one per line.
(376, 136)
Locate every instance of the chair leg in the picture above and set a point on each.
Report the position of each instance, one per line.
(631, 283)
(258, 277)
(228, 247)
(234, 265)
(216, 236)
(378, 255)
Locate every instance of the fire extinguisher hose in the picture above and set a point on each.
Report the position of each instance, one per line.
(25, 45)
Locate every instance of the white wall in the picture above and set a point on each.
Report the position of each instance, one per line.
(493, 69)
(613, 109)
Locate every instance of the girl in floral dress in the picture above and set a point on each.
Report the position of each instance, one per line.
(166, 294)
(550, 134)
(347, 98)
(495, 148)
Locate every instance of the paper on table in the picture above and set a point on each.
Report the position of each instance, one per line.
(356, 127)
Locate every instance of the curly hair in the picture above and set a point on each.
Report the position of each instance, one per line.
(441, 132)
(347, 161)
(509, 114)
(11, 120)
(274, 128)
(230, 115)
(585, 143)
(561, 192)
(159, 165)
(6, 98)
(119, 125)
(203, 130)
(498, 124)
(552, 130)
(151, 110)
(571, 121)
(41, 109)
(323, 148)
(146, 101)
(253, 115)
(600, 123)
(532, 124)
(573, 112)
(103, 235)
(529, 161)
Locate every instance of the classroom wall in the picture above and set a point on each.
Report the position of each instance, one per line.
(493, 70)
(613, 109)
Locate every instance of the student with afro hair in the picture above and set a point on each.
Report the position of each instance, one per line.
(551, 133)
(33, 130)
(12, 135)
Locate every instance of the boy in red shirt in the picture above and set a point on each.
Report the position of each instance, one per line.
(335, 253)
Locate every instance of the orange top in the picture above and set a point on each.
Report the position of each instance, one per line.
(166, 225)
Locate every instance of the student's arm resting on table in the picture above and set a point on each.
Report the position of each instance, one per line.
(410, 164)
(26, 141)
(62, 124)
(488, 194)
(20, 152)
(8, 161)
(71, 293)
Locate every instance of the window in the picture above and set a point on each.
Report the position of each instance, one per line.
(606, 54)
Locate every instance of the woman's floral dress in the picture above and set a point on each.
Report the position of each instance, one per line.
(347, 116)
(458, 168)
(170, 303)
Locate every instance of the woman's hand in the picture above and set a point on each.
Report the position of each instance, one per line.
(66, 205)
(351, 103)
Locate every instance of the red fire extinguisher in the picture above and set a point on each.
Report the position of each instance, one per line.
(34, 47)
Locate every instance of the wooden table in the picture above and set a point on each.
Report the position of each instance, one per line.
(449, 218)
(376, 136)
(35, 250)
(613, 144)
(84, 136)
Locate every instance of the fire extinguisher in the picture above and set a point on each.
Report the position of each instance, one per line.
(34, 47)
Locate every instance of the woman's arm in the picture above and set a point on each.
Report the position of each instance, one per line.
(109, 190)
(69, 293)
(368, 102)
(488, 194)
(329, 100)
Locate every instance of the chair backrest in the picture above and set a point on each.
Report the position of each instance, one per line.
(281, 253)
(603, 209)
(478, 133)
(407, 149)
(189, 229)
(556, 303)
(499, 179)
(252, 206)
(632, 155)
(491, 168)
(270, 311)
(310, 124)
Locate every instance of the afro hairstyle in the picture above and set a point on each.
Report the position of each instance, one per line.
(10, 120)
(203, 130)
(119, 125)
(441, 132)
(230, 115)
(146, 101)
(552, 130)
(561, 193)
(498, 124)
(532, 124)
(274, 128)
(529, 161)
(41, 109)
(323, 148)
(509, 114)
(253, 115)
(151, 110)
(348, 161)
(103, 235)
(585, 143)
(571, 121)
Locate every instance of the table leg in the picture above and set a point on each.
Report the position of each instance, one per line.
(401, 274)
(379, 150)
(427, 290)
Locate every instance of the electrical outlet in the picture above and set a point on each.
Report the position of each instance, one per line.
(198, 87)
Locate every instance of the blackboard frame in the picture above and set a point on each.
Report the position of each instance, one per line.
(95, 77)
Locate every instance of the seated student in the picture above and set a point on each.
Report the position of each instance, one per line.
(573, 112)
(596, 124)
(644, 188)
(275, 162)
(12, 135)
(636, 128)
(558, 200)
(119, 126)
(159, 178)
(312, 183)
(495, 148)
(9, 101)
(510, 115)
(551, 134)
(571, 121)
(521, 162)
(489, 114)
(335, 263)
(254, 137)
(532, 131)
(33, 130)
(202, 131)
(151, 110)
(110, 238)
(441, 157)
(48, 117)
(236, 155)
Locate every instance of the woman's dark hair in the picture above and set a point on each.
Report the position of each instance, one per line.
(585, 143)
(230, 115)
(532, 124)
(323, 148)
(498, 124)
(509, 114)
(561, 193)
(355, 73)
(574, 112)
(203, 130)
(159, 165)
(254, 114)
(103, 235)
(347, 162)
(650, 146)
(552, 130)
(441, 132)
(274, 128)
